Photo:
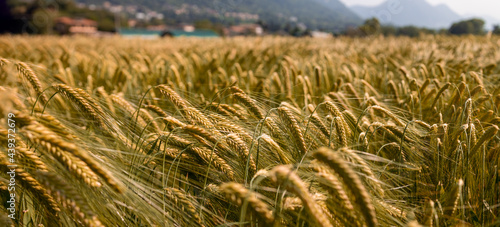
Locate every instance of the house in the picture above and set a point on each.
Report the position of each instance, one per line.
(244, 30)
(320, 34)
(160, 27)
(188, 28)
(67, 25)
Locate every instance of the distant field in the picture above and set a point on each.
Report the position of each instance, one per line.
(250, 131)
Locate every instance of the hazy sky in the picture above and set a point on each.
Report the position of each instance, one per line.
(463, 7)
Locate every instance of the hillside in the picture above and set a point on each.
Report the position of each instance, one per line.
(410, 12)
(330, 15)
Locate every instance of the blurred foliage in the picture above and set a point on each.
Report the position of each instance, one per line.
(38, 17)
(373, 27)
(473, 26)
(496, 29)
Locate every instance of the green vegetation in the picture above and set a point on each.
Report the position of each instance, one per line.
(473, 26)
(273, 131)
(496, 29)
(38, 17)
(373, 27)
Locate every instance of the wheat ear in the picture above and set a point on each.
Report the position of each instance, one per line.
(341, 132)
(238, 145)
(440, 92)
(351, 180)
(284, 175)
(290, 121)
(334, 185)
(335, 112)
(488, 134)
(53, 143)
(30, 184)
(350, 89)
(69, 198)
(390, 114)
(233, 111)
(185, 202)
(205, 154)
(27, 154)
(276, 149)
(157, 110)
(3, 62)
(125, 105)
(238, 194)
(102, 93)
(81, 102)
(393, 88)
(226, 126)
(175, 98)
(72, 163)
(457, 192)
(366, 169)
(250, 103)
(56, 126)
(316, 120)
(30, 75)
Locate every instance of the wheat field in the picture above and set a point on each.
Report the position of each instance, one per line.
(267, 131)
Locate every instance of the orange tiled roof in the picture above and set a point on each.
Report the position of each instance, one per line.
(76, 22)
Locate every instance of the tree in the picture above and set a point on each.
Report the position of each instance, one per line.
(496, 29)
(388, 30)
(410, 31)
(473, 26)
(203, 24)
(371, 27)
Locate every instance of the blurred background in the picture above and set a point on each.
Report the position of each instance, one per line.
(222, 18)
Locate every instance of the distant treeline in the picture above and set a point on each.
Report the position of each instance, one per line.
(373, 27)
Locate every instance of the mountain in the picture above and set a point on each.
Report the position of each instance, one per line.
(339, 9)
(329, 15)
(410, 12)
